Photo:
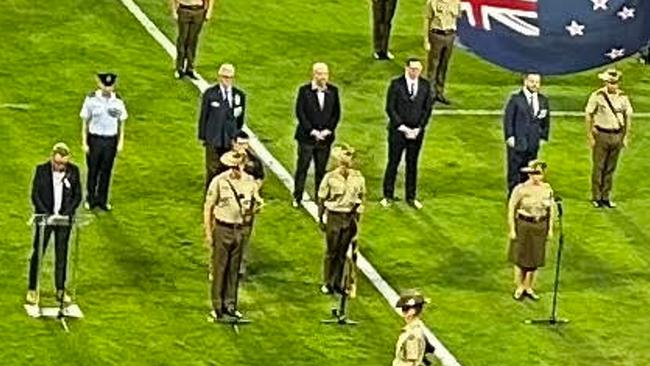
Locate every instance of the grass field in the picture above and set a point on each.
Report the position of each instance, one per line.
(142, 280)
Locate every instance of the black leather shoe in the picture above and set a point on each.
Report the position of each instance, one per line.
(178, 74)
(597, 203)
(608, 204)
(190, 74)
(531, 295)
(442, 99)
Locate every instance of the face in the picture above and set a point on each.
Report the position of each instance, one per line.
(612, 87)
(59, 162)
(536, 177)
(408, 313)
(240, 145)
(106, 89)
(413, 69)
(226, 80)
(321, 75)
(532, 82)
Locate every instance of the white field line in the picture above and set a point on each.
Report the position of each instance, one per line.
(499, 112)
(274, 165)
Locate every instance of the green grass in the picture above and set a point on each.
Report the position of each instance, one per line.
(142, 278)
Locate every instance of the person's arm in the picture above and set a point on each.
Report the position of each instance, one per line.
(39, 206)
(120, 126)
(590, 111)
(394, 119)
(203, 116)
(208, 9)
(301, 115)
(174, 7)
(211, 198)
(240, 118)
(512, 208)
(509, 122)
(428, 16)
(85, 119)
(323, 194)
(627, 115)
(551, 215)
(336, 110)
(546, 122)
(427, 107)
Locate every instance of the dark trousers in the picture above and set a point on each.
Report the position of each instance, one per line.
(61, 237)
(516, 161)
(307, 152)
(227, 246)
(442, 45)
(382, 15)
(190, 22)
(100, 159)
(397, 144)
(605, 153)
(212, 162)
(340, 230)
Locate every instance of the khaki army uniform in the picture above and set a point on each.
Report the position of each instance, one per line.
(233, 203)
(531, 208)
(342, 197)
(411, 345)
(440, 31)
(609, 130)
(191, 15)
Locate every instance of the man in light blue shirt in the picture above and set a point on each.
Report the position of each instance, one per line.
(102, 134)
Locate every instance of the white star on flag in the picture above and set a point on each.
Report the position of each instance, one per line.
(616, 53)
(626, 13)
(600, 4)
(575, 29)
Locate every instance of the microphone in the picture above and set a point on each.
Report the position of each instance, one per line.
(558, 201)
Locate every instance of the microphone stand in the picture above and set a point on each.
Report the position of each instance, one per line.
(554, 320)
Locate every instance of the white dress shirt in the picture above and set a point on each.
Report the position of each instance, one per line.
(412, 87)
(57, 186)
(227, 93)
(534, 102)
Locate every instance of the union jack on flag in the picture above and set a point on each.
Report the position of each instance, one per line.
(554, 36)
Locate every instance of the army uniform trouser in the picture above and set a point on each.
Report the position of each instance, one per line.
(441, 46)
(190, 21)
(382, 16)
(607, 148)
(227, 247)
(340, 230)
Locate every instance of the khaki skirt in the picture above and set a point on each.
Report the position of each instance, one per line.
(528, 250)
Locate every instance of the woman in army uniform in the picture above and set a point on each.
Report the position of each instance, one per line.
(530, 219)
(412, 346)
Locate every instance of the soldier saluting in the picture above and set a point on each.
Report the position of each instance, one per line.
(231, 202)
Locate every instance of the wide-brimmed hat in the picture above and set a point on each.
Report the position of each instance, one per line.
(227, 70)
(534, 166)
(231, 159)
(60, 148)
(411, 298)
(610, 75)
(343, 153)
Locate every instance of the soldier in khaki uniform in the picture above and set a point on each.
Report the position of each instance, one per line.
(439, 36)
(412, 346)
(609, 121)
(530, 218)
(231, 201)
(341, 196)
(190, 15)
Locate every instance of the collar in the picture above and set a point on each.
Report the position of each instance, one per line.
(98, 94)
(315, 87)
(412, 325)
(528, 93)
(604, 90)
(409, 80)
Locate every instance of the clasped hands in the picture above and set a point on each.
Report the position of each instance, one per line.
(320, 135)
(409, 133)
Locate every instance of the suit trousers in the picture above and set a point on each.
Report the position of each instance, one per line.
(605, 153)
(516, 161)
(227, 245)
(340, 230)
(320, 154)
(397, 144)
(212, 162)
(382, 15)
(441, 48)
(61, 238)
(100, 159)
(190, 22)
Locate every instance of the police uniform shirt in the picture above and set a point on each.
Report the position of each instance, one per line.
(602, 113)
(532, 200)
(103, 114)
(409, 350)
(341, 194)
(443, 14)
(221, 197)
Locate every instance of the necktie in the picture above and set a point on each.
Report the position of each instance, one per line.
(412, 91)
(225, 96)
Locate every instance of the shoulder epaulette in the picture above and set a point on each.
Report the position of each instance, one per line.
(91, 94)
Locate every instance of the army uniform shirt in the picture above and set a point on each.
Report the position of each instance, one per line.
(443, 14)
(223, 199)
(603, 115)
(532, 200)
(409, 350)
(341, 194)
(104, 115)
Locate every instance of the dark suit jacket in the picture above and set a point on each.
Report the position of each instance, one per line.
(43, 190)
(217, 123)
(402, 110)
(311, 117)
(520, 122)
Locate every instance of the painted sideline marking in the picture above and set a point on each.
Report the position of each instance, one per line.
(285, 177)
(499, 112)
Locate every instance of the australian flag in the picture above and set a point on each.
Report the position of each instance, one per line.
(554, 36)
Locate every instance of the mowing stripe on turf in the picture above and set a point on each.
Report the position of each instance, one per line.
(274, 165)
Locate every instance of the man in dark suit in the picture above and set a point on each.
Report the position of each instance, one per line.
(56, 192)
(408, 105)
(222, 115)
(526, 122)
(318, 110)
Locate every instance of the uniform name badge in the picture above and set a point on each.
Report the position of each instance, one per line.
(215, 104)
(237, 99)
(542, 113)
